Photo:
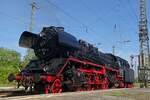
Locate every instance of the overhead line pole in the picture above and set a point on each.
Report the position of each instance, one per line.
(34, 7)
(144, 58)
(30, 52)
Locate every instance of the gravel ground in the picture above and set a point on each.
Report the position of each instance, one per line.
(111, 94)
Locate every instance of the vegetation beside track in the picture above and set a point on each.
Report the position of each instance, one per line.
(9, 63)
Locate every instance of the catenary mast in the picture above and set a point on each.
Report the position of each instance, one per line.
(144, 58)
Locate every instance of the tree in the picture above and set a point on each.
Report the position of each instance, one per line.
(9, 63)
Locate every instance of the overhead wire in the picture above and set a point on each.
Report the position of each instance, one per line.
(89, 9)
(44, 7)
(99, 18)
(16, 19)
(60, 9)
(133, 12)
(53, 13)
(70, 16)
(130, 14)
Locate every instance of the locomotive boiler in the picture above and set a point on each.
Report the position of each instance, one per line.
(65, 63)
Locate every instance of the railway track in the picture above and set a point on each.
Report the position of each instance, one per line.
(11, 92)
(131, 94)
(14, 92)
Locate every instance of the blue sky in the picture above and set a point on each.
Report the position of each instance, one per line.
(91, 20)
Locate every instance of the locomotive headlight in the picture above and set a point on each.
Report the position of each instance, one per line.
(44, 69)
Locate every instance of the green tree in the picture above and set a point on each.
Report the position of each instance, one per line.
(9, 63)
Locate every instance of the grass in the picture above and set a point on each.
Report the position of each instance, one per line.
(116, 93)
(12, 84)
(136, 84)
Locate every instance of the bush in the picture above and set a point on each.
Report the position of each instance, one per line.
(9, 63)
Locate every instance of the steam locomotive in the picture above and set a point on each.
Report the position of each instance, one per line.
(66, 64)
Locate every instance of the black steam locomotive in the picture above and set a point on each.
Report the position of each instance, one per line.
(66, 64)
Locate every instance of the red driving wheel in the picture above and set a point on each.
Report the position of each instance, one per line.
(56, 86)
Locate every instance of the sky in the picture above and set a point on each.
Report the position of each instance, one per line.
(104, 22)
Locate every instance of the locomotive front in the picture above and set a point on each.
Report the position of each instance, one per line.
(51, 43)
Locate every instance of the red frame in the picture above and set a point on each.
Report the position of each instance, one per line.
(98, 83)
